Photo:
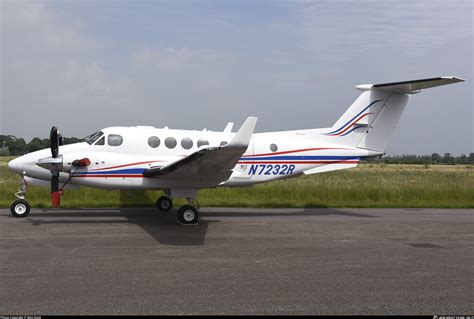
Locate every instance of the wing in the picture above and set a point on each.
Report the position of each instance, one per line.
(211, 165)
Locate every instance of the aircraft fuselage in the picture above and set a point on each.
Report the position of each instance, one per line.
(269, 156)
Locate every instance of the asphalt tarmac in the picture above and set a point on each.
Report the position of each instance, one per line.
(238, 261)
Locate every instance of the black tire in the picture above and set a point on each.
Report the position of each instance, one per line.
(20, 208)
(188, 214)
(164, 203)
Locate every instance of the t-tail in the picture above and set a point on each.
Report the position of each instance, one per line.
(369, 122)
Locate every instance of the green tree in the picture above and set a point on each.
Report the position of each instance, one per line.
(4, 151)
(71, 140)
(462, 159)
(471, 158)
(17, 146)
(448, 159)
(37, 144)
(436, 158)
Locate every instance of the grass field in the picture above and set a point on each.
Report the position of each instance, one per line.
(369, 185)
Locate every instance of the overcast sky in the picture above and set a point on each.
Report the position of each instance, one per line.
(85, 65)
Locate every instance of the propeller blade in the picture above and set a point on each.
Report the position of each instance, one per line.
(55, 139)
(55, 183)
(54, 142)
(55, 193)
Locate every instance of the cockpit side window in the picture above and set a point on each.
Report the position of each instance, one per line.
(94, 137)
(101, 141)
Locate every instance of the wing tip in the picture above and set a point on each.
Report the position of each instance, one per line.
(455, 79)
(244, 134)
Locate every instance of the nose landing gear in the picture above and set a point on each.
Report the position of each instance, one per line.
(20, 208)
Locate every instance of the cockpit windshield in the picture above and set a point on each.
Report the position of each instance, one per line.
(93, 137)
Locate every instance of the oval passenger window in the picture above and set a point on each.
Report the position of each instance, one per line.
(170, 142)
(186, 143)
(202, 142)
(153, 141)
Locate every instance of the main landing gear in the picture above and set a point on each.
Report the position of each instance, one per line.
(164, 203)
(20, 208)
(187, 214)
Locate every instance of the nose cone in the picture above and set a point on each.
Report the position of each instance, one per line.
(15, 165)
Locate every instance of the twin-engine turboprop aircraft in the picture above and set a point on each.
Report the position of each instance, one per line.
(181, 162)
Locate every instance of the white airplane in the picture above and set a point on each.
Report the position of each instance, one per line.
(181, 162)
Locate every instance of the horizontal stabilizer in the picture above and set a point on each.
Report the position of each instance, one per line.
(410, 87)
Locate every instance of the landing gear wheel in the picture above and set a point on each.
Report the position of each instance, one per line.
(188, 214)
(20, 208)
(164, 203)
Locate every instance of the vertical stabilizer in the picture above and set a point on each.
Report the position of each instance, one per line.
(369, 122)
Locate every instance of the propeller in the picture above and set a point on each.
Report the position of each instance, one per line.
(55, 140)
(55, 165)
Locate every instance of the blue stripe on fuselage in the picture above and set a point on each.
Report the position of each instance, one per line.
(301, 157)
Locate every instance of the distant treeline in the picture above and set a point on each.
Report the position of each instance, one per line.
(434, 158)
(11, 145)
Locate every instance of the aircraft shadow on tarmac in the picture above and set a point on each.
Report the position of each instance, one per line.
(163, 226)
(276, 213)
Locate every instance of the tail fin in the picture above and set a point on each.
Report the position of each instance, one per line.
(369, 122)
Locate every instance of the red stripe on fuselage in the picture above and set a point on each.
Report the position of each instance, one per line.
(118, 166)
(299, 162)
(296, 151)
(111, 175)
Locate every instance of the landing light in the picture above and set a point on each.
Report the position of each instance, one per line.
(82, 162)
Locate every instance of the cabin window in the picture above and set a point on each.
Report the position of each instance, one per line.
(273, 147)
(154, 141)
(202, 142)
(186, 143)
(101, 141)
(114, 140)
(170, 142)
(223, 143)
